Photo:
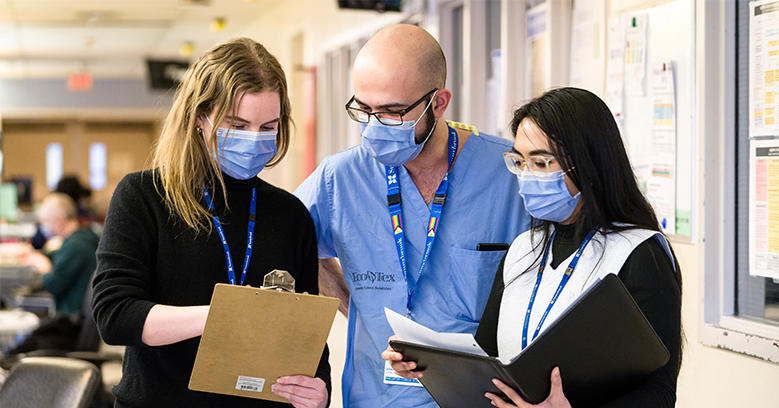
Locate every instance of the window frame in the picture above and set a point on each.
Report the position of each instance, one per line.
(716, 93)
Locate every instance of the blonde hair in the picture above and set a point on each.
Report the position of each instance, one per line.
(216, 82)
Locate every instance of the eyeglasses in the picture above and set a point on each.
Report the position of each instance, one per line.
(385, 118)
(539, 166)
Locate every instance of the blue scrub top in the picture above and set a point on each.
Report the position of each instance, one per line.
(347, 198)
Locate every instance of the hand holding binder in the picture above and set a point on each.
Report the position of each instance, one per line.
(603, 345)
(556, 397)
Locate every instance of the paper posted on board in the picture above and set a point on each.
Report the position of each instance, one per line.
(661, 184)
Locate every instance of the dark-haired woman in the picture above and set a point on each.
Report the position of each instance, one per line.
(578, 185)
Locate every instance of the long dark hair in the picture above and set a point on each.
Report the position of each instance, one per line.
(586, 140)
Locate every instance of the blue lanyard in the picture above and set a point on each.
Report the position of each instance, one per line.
(568, 272)
(249, 243)
(394, 204)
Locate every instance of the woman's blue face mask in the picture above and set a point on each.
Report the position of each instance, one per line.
(243, 154)
(547, 198)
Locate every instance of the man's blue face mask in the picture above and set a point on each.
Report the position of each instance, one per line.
(243, 154)
(394, 145)
(547, 198)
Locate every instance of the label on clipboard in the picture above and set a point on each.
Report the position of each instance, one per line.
(246, 383)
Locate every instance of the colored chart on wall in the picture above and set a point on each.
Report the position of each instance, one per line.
(764, 208)
(763, 68)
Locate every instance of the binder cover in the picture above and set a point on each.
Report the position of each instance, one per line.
(603, 345)
(254, 336)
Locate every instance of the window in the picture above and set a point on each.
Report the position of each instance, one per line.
(756, 297)
(740, 310)
(53, 165)
(97, 166)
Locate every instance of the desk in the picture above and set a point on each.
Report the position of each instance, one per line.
(13, 323)
(13, 277)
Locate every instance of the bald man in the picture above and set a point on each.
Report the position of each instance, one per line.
(405, 210)
(74, 263)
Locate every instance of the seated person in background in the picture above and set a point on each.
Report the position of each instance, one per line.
(68, 273)
(81, 195)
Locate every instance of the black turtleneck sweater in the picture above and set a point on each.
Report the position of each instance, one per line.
(649, 277)
(148, 256)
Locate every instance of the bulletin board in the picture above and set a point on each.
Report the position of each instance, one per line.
(655, 110)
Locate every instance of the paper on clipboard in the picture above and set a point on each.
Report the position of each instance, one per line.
(408, 330)
(253, 336)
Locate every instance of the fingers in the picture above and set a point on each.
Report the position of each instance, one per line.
(497, 401)
(402, 368)
(557, 382)
(405, 370)
(302, 391)
(557, 397)
(396, 360)
(391, 355)
(510, 393)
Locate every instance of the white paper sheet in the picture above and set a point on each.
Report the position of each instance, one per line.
(661, 184)
(413, 332)
(587, 44)
(635, 54)
(615, 68)
(537, 57)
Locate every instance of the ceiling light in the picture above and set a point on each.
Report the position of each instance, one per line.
(218, 24)
(195, 2)
(186, 49)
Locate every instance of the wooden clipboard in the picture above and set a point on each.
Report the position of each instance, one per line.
(254, 336)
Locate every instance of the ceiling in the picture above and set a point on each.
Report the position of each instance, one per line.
(111, 38)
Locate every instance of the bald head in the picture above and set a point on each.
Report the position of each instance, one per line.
(405, 52)
(58, 205)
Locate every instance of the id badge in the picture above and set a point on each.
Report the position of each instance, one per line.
(391, 377)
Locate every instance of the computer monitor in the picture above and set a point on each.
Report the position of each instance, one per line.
(9, 204)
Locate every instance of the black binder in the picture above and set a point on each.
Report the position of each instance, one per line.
(603, 345)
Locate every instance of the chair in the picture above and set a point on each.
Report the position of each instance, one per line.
(50, 382)
(85, 347)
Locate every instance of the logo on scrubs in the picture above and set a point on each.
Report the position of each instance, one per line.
(396, 224)
(373, 277)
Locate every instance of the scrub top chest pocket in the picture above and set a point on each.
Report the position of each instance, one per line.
(471, 280)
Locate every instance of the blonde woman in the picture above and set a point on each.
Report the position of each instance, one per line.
(161, 254)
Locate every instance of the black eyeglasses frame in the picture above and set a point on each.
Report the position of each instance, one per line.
(354, 112)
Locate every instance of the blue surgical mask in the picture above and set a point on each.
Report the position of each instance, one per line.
(243, 154)
(46, 231)
(393, 145)
(547, 198)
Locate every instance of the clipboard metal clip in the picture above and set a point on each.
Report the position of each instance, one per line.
(279, 280)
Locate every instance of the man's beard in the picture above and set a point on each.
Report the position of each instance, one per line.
(429, 121)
